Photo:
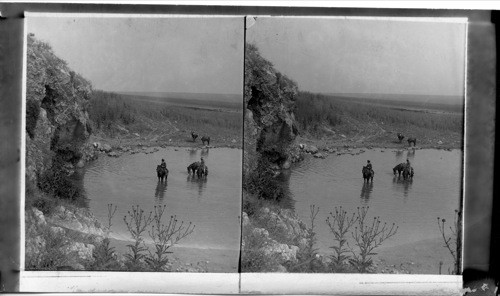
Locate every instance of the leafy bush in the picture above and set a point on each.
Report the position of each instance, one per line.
(57, 183)
(104, 257)
(263, 182)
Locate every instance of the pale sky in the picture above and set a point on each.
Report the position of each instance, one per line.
(195, 55)
(365, 55)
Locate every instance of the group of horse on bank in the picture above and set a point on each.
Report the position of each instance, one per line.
(204, 139)
(403, 168)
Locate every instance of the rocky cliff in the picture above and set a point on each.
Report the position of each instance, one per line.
(274, 239)
(57, 130)
(270, 127)
(57, 122)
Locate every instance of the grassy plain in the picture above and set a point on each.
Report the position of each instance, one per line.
(333, 121)
(129, 120)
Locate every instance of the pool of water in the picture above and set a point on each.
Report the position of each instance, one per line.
(212, 204)
(414, 206)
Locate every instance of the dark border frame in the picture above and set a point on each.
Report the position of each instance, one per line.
(479, 259)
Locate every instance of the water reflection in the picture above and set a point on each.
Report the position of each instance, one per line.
(399, 183)
(204, 152)
(201, 182)
(160, 190)
(366, 190)
(411, 153)
(399, 155)
(192, 152)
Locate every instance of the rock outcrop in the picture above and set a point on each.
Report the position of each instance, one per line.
(57, 132)
(49, 244)
(270, 127)
(275, 238)
(57, 122)
(272, 240)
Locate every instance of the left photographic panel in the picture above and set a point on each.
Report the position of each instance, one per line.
(133, 143)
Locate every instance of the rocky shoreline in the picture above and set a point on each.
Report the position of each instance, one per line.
(135, 148)
(323, 152)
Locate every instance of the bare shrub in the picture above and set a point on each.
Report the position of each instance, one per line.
(165, 236)
(340, 224)
(308, 256)
(367, 237)
(104, 254)
(452, 241)
(137, 222)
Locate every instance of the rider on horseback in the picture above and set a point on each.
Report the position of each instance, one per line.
(163, 164)
(369, 165)
(408, 165)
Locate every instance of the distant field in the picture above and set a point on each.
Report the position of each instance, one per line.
(429, 104)
(316, 110)
(225, 102)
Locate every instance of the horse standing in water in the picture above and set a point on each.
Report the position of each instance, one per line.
(198, 169)
(399, 168)
(193, 167)
(408, 173)
(367, 174)
(162, 173)
(400, 137)
(202, 171)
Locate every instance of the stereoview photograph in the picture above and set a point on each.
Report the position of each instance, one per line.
(353, 142)
(133, 143)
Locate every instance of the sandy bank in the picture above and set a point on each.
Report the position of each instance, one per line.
(422, 257)
(185, 259)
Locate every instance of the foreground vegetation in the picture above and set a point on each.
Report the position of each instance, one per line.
(63, 248)
(277, 241)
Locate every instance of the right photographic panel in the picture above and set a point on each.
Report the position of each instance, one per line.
(353, 145)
